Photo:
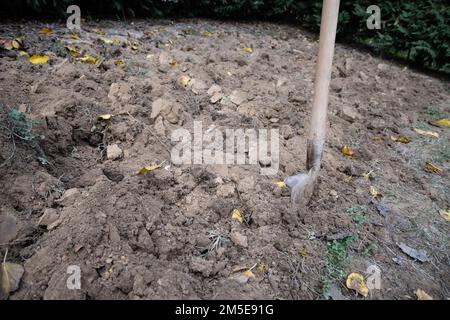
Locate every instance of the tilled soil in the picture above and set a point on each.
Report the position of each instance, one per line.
(65, 200)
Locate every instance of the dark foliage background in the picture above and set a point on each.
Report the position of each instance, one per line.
(417, 31)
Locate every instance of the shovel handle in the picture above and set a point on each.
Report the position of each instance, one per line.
(317, 130)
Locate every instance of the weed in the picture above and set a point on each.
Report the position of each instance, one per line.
(357, 214)
(217, 241)
(336, 261)
(370, 248)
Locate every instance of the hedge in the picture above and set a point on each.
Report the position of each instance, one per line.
(415, 31)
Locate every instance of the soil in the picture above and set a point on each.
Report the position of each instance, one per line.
(151, 236)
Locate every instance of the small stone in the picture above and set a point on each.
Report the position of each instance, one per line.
(238, 97)
(160, 129)
(50, 216)
(225, 190)
(22, 108)
(239, 240)
(333, 193)
(113, 152)
(274, 120)
(216, 97)
(213, 90)
(281, 81)
(349, 114)
(383, 67)
(69, 197)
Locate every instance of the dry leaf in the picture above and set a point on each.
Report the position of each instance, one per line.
(73, 52)
(280, 184)
(249, 274)
(303, 253)
(8, 45)
(422, 295)
(261, 268)
(237, 215)
(37, 59)
(445, 214)
(17, 43)
(10, 276)
(400, 139)
(432, 167)
(443, 123)
(105, 117)
(374, 192)
(106, 40)
(22, 53)
(89, 59)
(119, 63)
(377, 138)
(347, 151)
(148, 168)
(184, 80)
(356, 282)
(173, 62)
(74, 36)
(248, 49)
(427, 133)
(46, 31)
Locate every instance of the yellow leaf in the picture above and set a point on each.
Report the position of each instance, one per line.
(17, 43)
(207, 34)
(432, 167)
(119, 63)
(400, 139)
(184, 80)
(237, 215)
(74, 35)
(422, 295)
(10, 276)
(347, 151)
(100, 32)
(37, 59)
(148, 168)
(73, 52)
(280, 184)
(377, 138)
(374, 192)
(445, 214)
(117, 41)
(261, 268)
(249, 274)
(303, 253)
(356, 282)
(173, 62)
(89, 59)
(46, 31)
(443, 122)
(248, 49)
(105, 40)
(22, 53)
(427, 133)
(105, 117)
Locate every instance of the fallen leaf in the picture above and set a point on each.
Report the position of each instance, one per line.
(119, 63)
(148, 168)
(303, 253)
(249, 274)
(105, 117)
(22, 53)
(106, 40)
(347, 151)
(173, 62)
(400, 139)
(280, 184)
(37, 59)
(74, 36)
(73, 52)
(237, 215)
(99, 31)
(420, 255)
(374, 192)
(443, 123)
(207, 34)
(8, 45)
(427, 133)
(422, 295)
(10, 276)
(117, 41)
(248, 49)
(46, 31)
(17, 43)
(377, 138)
(184, 80)
(432, 167)
(261, 268)
(89, 59)
(445, 214)
(356, 282)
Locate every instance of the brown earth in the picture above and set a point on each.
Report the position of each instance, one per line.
(152, 236)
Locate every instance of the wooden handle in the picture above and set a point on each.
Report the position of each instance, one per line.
(317, 130)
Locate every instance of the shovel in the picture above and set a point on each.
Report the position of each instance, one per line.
(302, 184)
